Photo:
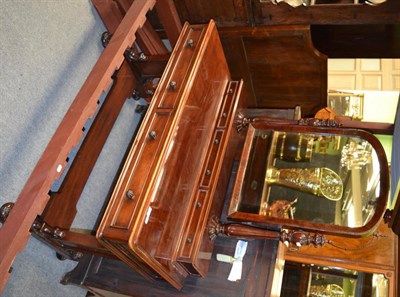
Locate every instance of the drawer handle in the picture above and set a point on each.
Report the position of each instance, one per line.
(190, 43)
(172, 85)
(130, 194)
(153, 134)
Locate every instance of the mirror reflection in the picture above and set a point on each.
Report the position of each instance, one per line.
(321, 281)
(329, 179)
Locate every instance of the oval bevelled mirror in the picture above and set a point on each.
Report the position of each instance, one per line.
(311, 178)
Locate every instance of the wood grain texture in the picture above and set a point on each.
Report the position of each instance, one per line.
(376, 254)
(261, 13)
(279, 65)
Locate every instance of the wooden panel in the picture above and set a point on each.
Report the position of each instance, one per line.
(370, 65)
(170, 19)
(371, 82)
(283, 69)
(239, 13)
(342, 82)
(109, 12)
(349, 41)
(394, 75)
(396, 82)
(342, 64)
(112, 12)
(363, 74)
(196, 244)
(224, 12)
(375, 253)
(270, 14)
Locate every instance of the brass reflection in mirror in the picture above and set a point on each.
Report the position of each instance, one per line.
(317, 177)
(324, 281)
(323, 182)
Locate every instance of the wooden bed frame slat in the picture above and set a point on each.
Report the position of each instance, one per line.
(34, 196)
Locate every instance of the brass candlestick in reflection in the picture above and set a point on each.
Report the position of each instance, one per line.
(330, 290)
(322, 182)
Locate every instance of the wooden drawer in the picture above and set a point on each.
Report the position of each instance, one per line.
(194, 232)
(150, 147)
(155, 197)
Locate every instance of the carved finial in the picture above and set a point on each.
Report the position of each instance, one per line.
(5, 211)
(242, 122)
(105, 38)
(301, 238)
(214, 227)
(131, 54)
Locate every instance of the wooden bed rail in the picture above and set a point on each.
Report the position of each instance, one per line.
(34, 196)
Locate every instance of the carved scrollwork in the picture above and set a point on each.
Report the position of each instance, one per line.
(301, 238)
(318, 122)
(294, 237)
(242, 122)
(215, 228)
(362, 245)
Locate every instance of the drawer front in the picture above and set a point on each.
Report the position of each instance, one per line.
(191, 243)
(178, 73)
(139, 172)
(212, 157)
(232, 92)
(197, 213)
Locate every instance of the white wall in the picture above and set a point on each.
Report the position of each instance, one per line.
(380, 106)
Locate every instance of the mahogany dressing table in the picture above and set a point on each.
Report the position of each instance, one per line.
(188, 175)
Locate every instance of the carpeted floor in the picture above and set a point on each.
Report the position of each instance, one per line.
(48, 47)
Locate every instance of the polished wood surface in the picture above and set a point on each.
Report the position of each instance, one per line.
(113, 11)
(158, 212)
(108, 277)
(377, 253)
(354, 41)
(169, 17)
(338, 30)
(281, 68)
(258, 13)
(279, 65)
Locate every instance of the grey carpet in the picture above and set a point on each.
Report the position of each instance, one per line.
(48, 47)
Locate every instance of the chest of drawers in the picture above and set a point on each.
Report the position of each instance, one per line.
(157, 215)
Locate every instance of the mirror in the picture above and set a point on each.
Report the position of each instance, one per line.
(316, 175)
(322, 281)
